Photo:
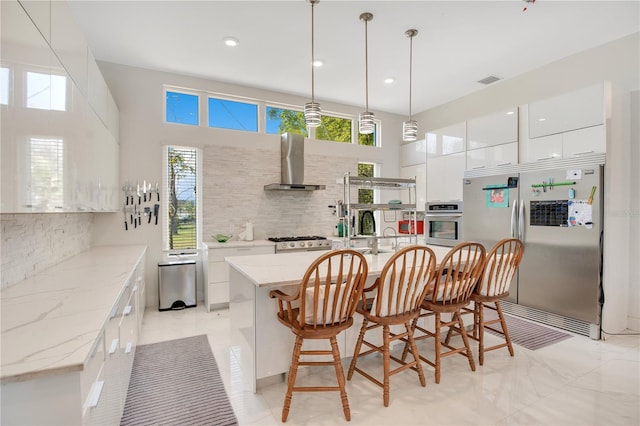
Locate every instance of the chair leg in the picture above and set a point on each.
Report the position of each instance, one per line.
(437, 346)
(405, 351)
(465, 339)
(416, 356)
(293, 370)
(480, 324)
(503, 323)
(340, 376)
(354, 360)
(385, 364)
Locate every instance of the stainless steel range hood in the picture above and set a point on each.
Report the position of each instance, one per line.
(292, 166)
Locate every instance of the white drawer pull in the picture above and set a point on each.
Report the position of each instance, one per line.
(127, 310)
(583, 152)
(506, 163)
(477, 167)
(127, 350)
(114, 346)
(95, 394)
(544, 158)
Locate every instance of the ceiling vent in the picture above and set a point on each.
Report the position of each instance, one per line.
(489, 80)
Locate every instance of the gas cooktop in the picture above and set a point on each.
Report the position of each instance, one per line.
(302, 243)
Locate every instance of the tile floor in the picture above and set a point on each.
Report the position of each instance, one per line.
(578, 381)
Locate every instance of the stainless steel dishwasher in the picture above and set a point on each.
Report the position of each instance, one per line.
(176, 284)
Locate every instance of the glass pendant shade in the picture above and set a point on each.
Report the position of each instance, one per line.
(409, 130)
(367, 125)
(312, 114)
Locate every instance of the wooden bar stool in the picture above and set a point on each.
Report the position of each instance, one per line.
(454, 282)
(394, 299)
(326, 299)
(501, 265)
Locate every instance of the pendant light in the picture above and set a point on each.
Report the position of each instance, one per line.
(366, 123)
(410, 127)
(312, 109)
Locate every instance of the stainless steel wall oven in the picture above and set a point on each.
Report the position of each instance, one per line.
(443, 223)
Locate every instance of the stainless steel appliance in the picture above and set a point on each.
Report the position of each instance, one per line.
(443, 223)
(556, 210)
(303, 243)
(176, 284)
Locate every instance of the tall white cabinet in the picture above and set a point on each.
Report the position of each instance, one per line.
(60, 150)
(445, 162)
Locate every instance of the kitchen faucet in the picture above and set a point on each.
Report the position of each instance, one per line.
(395, 247)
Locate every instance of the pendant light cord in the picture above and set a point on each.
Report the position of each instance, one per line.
(313, 59)
(366, 67)
(410, 71)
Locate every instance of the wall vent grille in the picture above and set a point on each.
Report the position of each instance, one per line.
(490, 79)
(570, 324)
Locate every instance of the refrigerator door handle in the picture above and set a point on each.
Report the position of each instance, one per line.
(514, 218)
(521, 221)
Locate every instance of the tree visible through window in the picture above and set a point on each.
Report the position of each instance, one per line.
(182, 200)
(365, 196)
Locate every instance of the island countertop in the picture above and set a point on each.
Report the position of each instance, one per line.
(267, 270)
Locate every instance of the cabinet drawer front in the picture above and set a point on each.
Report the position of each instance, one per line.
(218, 255)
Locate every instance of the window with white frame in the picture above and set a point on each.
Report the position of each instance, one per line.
(181, 108)
(183, 217)
(228, 114)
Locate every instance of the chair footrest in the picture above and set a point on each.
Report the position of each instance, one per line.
(315, 388)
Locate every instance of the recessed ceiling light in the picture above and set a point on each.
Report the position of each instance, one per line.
(510, 112)
(542, 119)
(389, 80)
(230, 41)
(318, 63)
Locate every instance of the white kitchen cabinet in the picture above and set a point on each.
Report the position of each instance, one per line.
(572, 144)
(413, 153)
(97, 90)
(216, 269)
(493, 156)
(446, 140)
(419, 171)
(57, 155)
(80, 367)
(444, 177)
(40, 14)
(493, 129)
(69, 43)
(569, 111)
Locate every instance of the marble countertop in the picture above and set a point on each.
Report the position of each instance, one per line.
(236, 244)
(266, 270)
(51, 321)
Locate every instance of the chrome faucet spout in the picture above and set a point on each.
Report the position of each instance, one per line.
(395, 247)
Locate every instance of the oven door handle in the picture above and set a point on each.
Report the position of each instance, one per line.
(443, 215)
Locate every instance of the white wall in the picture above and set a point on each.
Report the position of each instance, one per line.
(236, 168)
(617, 62)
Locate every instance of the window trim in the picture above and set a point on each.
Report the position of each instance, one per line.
(165, 205)
(227, 98)
(184, 92)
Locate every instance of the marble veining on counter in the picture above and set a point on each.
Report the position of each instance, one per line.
(288, 268)
(51, 321)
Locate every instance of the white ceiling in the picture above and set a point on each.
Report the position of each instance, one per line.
(459, 42)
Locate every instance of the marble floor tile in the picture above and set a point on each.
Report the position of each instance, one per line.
(578, 381)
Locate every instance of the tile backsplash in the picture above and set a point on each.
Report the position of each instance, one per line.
(34, 242)
(233, 193)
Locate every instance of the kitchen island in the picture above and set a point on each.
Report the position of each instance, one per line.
(261, 344)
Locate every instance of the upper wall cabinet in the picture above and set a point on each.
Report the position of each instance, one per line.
(570, 111)
(447, 140)
(413, 153)
(97, 90)
(40, 14)
(69, 44)
(58, 155)
(494, 129)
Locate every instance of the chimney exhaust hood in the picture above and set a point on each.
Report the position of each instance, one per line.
(292, 165)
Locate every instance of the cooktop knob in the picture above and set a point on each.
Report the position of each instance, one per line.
(292, 245)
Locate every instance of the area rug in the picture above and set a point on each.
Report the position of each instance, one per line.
(527, 334)
(177, 383)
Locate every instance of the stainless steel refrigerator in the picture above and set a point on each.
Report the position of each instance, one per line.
(556, 210)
